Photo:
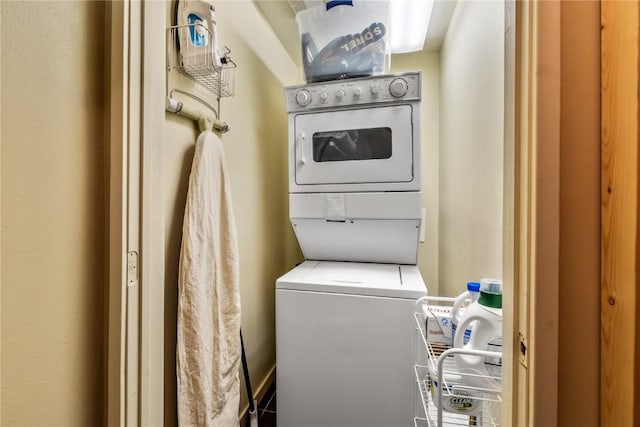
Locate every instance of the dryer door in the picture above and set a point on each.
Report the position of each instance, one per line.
(368, 145)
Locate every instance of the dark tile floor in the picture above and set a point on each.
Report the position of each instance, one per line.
(267, 408)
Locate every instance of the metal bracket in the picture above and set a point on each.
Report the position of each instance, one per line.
(132, 268)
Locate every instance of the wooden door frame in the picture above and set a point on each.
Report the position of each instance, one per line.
(123, 337)
(620, 56)
(135, 378)
(531, 227)
(536, 228)
(117, 17)
(135, 338)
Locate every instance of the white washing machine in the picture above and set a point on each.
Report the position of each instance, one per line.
(345, 344)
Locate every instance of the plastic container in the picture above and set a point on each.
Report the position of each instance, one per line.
(486, 316)
(344, 39)
(456, 398)
(470, 296)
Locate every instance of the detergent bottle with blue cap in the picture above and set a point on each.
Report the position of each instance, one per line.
(484, 317)
(466, 298)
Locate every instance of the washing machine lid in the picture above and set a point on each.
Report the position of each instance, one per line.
(383, 280)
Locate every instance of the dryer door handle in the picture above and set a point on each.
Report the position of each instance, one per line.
(300, 148)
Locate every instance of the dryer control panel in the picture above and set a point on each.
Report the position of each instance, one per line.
(354, 92)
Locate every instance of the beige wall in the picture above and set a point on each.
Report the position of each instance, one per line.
(256, 154)
(471, 146)
(53, 213)
(579, 314)
(429, 64)
(462, 142)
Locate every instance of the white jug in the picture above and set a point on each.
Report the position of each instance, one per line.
(484, 317)
(463, 300)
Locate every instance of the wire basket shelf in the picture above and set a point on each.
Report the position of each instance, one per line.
(214, 72)
(440, 362)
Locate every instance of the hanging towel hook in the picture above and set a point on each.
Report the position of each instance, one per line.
(205, 121)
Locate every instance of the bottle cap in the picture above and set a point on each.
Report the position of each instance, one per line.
(491, 293)
(473, 286)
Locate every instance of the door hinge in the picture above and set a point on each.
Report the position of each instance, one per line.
(132, 268)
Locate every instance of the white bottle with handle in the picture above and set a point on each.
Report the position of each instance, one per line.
(466, 298)
(484, 317)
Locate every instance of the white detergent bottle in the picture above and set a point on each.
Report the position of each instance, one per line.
(470, 296)
(485, 319)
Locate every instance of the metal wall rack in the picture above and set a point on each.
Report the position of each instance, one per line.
(201, 67)
(438, 366)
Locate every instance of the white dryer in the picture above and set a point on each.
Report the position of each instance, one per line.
(354, 168)
(345, 344)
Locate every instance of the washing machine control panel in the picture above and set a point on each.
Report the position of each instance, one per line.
(353, 92)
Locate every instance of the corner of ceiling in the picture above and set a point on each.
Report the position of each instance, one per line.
(281, 17)
(297, 5)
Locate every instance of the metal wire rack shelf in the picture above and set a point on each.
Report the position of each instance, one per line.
(204, 65)
(440, 368)
(200, 64)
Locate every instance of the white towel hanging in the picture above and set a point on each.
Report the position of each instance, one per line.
(208, 342)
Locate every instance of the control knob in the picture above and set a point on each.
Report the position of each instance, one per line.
(340, 94)
(398, 87)
(375, 90)
(303, 98)
(323, 96)
(357, 92)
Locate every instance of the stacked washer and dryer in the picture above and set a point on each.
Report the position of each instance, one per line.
(345, 334)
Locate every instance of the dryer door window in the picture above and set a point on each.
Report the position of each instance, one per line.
(352, 144)
(368, 145)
